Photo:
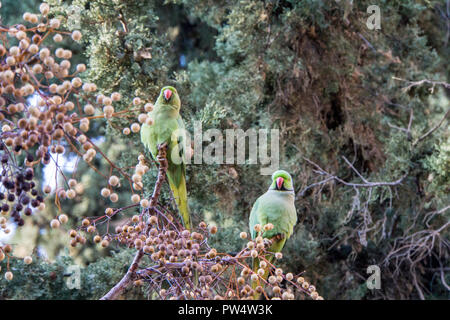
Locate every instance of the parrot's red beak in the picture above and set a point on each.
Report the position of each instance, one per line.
(280, 182)
(167, 94)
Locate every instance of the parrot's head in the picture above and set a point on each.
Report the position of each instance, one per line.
(169, 96)
(281, 181)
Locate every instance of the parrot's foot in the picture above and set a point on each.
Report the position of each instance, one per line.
(267, 243)
(161, 145)
(278, 237)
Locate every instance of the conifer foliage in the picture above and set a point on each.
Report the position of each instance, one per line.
(363, 121)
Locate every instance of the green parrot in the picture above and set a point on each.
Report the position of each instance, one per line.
(168, 127)
(276, 206)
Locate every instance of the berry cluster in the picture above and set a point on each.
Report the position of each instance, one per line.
(20, 196)
(46, 110)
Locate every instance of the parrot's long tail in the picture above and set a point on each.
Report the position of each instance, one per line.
(180, 194)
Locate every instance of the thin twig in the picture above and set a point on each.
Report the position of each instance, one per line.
(432, 129)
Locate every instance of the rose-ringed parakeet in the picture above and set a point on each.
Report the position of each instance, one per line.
(169, 128)
(275, 207)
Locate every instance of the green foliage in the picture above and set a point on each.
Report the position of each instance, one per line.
(43, 280)
(313, 70)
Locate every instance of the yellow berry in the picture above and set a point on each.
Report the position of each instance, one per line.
(71, 193)
(114, 181)
(115, 96)
(54, 224)
(109, 211)
(54, 23)
(105, 192)
(76, 35)
(44, 9)
(285, 295)
(89, 109)
(57, 38)
(8, 276)
(135, 127)
(63, 218)
(142, 117)
(213, 229)
(114, 197)
(144, 203)
(148, 107)
(105, 243)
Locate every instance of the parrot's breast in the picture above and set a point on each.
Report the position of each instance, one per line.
(277, 207)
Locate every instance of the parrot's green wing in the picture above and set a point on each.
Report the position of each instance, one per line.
(177, 152)
(147, 138)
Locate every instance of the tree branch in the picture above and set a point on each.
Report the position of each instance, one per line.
(432, 129)
(128, 277)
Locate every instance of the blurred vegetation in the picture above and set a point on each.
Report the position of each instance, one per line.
(311, 69)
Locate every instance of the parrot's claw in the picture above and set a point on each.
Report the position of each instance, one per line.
(278, 237)
(161, 145)
(267, 243)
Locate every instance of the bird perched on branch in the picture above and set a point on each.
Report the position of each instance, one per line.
(276, 209)
(168, 127)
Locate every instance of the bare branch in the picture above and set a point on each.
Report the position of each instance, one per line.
(367, 183)
(432, 129)
(127, 278)
(420, 82)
